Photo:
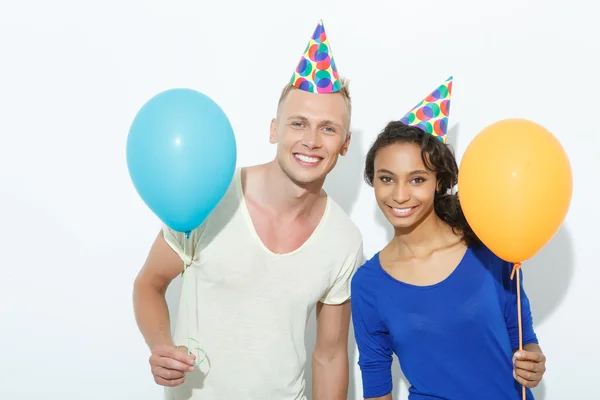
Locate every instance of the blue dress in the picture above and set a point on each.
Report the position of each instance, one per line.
(454, 339)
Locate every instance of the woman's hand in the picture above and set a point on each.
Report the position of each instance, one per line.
(530, 366)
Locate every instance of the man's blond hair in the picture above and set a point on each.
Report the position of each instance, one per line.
(344, 91)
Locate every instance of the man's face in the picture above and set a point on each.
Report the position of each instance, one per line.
(311, 131)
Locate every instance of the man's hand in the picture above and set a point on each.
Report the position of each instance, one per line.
(530, 366)
(169, 364)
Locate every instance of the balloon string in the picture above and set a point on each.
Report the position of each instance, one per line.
(516, 268)
(190, 339)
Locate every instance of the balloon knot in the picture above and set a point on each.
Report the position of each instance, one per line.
(516, 266)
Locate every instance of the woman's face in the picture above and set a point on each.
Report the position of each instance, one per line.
(404, 187)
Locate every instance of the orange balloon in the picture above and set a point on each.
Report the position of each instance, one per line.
(515, 187)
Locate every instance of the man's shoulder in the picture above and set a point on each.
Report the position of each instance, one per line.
(231, 194)
(340, 221)
(224, 210)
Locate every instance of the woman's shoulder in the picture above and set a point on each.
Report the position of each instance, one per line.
(491, 261)
(368, 273)
(484, 254)
(366, 284)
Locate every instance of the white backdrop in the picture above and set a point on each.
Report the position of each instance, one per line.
(74, 232)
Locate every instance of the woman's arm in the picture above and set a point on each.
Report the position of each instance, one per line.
(386, 397)
(372, 339)
(529, 363)
(511, 312)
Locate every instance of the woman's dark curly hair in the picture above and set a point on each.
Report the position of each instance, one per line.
(438, 158)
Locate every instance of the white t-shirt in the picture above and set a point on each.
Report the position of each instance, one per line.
(249, 307)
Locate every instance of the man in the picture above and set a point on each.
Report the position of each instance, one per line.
(275, 247)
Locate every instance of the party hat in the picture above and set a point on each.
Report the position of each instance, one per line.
(431, 114)
(316, 72)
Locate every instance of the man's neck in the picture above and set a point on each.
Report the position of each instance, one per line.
(274, 189)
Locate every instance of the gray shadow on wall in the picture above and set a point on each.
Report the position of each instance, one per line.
(398, 379)
(385, 224)
(539, 392)
(343, 184)
(452, 136)
(548, 275)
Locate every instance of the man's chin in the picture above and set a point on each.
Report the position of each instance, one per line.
(306, 178)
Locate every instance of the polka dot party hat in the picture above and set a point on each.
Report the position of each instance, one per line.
(316, 72)
(431, 114)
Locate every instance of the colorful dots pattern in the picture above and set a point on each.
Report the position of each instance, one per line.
(316, 72)
(431, 114)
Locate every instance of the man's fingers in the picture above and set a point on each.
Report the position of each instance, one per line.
(177, 353)
(181, 354)
(167, 374)
(167, 382)
(170, 363)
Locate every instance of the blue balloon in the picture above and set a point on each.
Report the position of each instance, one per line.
(181, 156)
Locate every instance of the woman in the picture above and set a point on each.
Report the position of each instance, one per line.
(435, 296)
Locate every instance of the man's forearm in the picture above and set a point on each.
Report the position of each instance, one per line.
(330, 376)
(152, 314)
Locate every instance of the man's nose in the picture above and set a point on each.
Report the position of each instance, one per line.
(311, 138)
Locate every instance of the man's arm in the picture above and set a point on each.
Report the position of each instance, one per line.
(152, 314)
(330, 357)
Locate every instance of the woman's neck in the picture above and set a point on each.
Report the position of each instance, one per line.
(424, 238)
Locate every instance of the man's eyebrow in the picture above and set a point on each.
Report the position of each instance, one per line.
(300, 117)
(337, 125)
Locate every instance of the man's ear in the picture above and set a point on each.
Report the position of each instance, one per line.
(273, 131)
(346, 144)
